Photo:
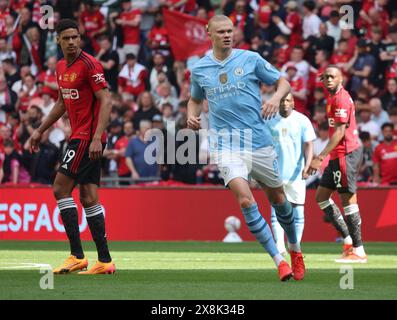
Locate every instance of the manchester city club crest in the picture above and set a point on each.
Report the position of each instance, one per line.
(239, 71)
(223, 78)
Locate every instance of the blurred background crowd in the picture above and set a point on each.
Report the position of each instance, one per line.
(150, 88)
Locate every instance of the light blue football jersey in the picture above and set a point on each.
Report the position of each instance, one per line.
(232, 88)
(289, 135)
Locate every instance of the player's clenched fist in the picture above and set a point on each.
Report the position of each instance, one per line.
(315, 165)
(194, 123)
(95, 151)
(34, 141)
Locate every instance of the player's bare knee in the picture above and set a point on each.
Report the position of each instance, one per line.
(88, 201)
(59, 191)
(320, 197)
(348, 199)
(277, 196)
(246, 202)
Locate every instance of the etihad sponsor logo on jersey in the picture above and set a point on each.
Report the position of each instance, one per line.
(67, 93)
(227, 90)
(341, 113)
(98, 78)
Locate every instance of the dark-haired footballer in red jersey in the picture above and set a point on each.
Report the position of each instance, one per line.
(341, 173)
(84, 95)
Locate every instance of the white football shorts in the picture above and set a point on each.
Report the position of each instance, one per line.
(295, 191)
(261, 165)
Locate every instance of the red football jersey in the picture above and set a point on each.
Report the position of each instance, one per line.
(131, 34)
(340, 109)
(92, 22)
(122, 143)
(77, 84)
(294, 23)
(386, 156)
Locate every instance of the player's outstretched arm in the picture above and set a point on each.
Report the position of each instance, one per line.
(194, 108)
(308, 152)
(57, 111)
(271, 107)
(332, 143)
(95, 150)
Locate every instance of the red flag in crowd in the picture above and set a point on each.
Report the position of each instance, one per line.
(187, 34)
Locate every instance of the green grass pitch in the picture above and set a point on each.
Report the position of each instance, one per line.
(195, 270)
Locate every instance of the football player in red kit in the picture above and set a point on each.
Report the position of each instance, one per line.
(83, 93)
(341, 173)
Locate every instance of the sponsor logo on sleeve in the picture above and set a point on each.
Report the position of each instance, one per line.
(98, 78)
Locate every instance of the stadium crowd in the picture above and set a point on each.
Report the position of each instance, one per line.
(150, 89)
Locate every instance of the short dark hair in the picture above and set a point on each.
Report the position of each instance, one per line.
(387, 125)
(65, 24)
(130, 56)
(323, 126)
(8, 143)
(310, 5)
(364, 136)
(9, 61)
(393, 111)
(299, 47)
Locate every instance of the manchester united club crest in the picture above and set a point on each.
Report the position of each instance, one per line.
(73, 77)
(223, 78)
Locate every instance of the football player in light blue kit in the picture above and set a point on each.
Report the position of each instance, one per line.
(293, 135)
(239, 142)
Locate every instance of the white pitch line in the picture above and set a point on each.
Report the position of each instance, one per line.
(28, 266)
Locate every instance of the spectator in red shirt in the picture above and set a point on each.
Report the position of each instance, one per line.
(374, 13)
(393, 119)
(351, 39)
(132, 77)
(385, 157)
(341, 57)
(242, 19)
(28, 91)
(293, 23)
(298, 89)
(282, 51)
(92, 22)
(158, 40)
(321, 60)
(238, 40)
(49, 79)
(129, 20)
(186, 6)
(119, 152)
